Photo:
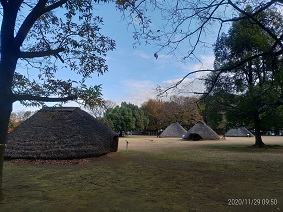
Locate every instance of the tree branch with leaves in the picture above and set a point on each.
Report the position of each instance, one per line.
(41, 41)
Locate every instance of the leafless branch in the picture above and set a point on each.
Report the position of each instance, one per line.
(220, 71)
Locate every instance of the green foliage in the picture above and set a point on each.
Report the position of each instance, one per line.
(244, 95)
(54, 40)
(91, 96)
(273, 120)
(127, 117)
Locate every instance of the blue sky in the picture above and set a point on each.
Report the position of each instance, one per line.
(134, 73)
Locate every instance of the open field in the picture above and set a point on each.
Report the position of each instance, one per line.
(157, 174)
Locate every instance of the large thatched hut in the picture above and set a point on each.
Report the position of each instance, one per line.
(239, 132)
(173, 130)
(60, 133)
(200, 131)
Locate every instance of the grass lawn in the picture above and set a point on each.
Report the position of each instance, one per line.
(157, 174)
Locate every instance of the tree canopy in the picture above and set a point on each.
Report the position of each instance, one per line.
(153, 115)
(127, 117)
(253, 89)
(42, 43)
(51, 39)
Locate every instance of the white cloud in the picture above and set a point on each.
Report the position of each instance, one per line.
(207, 62)
(193, 83)
(188, 87)
(138, 92)
(143, 55)
(17, 106)
(174, 81)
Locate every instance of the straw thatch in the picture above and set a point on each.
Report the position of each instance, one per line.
(200, 131)
(239, 132)
(60, 133)
(173, 130)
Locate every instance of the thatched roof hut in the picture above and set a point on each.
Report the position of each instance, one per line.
(60, 133)
(200, 131)
(173, 130)
(239, 132)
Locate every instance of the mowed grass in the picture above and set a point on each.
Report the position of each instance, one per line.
(155, 174)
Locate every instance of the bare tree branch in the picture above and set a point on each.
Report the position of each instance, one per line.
(180, 81)
(219, 71)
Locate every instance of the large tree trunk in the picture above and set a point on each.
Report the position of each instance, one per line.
(9, 55)
(5, 112)
(6, 103)
(7, 68)
(258, 140)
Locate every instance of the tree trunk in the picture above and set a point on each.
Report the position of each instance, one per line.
(258, 140)
(2, 150)
(6, 103)
(9, 56)
(5, 112)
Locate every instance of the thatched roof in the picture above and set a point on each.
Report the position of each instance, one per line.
(173, 130)
(201, 131)
(238, 132)
(60, 133)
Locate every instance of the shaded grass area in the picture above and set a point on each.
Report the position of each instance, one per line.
(174, 179)
(247, 148)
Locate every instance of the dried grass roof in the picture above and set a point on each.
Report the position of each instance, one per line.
(60, 133)
(202, 130)
(173, 130)
(238, 132)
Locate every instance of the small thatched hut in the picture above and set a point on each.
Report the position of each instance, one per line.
(201, 131)
(173, 130)
(60, 133)
(238, 132)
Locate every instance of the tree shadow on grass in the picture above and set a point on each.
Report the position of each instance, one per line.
(244, 148)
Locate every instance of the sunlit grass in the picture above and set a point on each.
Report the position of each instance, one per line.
(188, 177)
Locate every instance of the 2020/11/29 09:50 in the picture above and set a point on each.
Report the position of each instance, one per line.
(252, 201)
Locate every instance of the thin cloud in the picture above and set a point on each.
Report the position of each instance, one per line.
(207, 62)
(139, 92)
(174, 81)
(192, 84)
(143, 55)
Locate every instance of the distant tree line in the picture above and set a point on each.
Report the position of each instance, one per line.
(153, 115)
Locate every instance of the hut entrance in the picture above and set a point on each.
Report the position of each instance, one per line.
(195, 137)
